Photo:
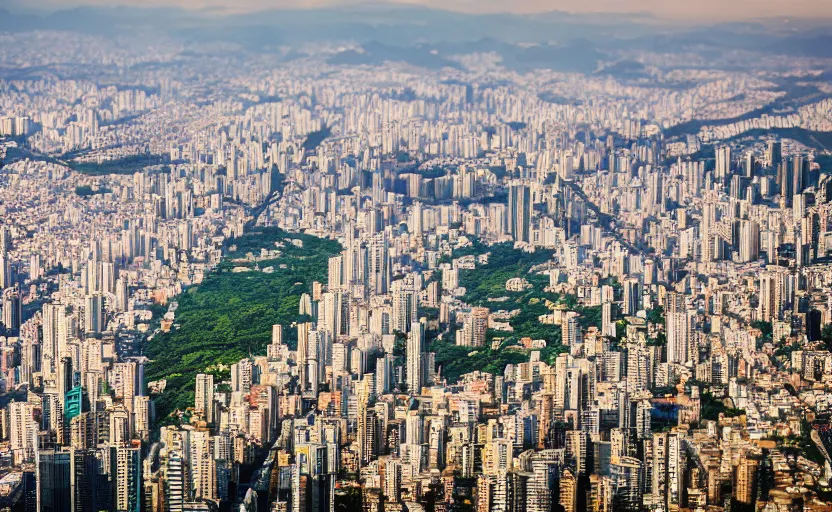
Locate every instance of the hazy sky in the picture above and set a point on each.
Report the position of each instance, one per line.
(698, 9)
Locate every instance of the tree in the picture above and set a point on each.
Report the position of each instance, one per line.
(656, 316)
(349, 499)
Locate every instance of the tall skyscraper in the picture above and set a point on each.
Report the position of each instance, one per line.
(415, 355)
(568, 498)
(12, 310)
(313, 485)
(5, 270)
(335, 276)
(176, 481)
(749, 241)
(23, 431)
(128, 478)
(607, 320)
(774, 153)
(122, 294)
(303, 354)
(54, 338)
(677, 323)
(519, 212)
(276, 347)
(54, 476)
(404, 306)
(632, 297)
(571, 331)
(745, 480)
(706, 232)
(367, 432)
(625, 474)
(204, 401)
(769, 298)
(379, 264)
(723, 163)
(94, 313)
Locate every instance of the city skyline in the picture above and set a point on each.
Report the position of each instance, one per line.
(413, 260)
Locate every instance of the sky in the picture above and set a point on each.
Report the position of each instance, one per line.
(717, 10)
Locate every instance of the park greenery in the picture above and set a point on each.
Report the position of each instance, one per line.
(126, 165)
(87, 191)
(767, 331)
(487, 283)
(656, 319)
(230, 315)
(826, 336)
(713, 406)
(800, 444)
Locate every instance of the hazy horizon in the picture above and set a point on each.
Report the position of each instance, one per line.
(703, 10)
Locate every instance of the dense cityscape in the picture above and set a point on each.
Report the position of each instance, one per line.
(360, 277)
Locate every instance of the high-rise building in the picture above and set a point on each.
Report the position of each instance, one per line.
(385, 374)
(749, 241)
(632, 297)
(474, 328)
(723, 163)
(176, 481)
(367, 424)
(5, 271)
(23, 431)
(123, 380)
(519, 212)
(749, 162)
(379, 264)
(303, 354)
(277, 334)
(771, 296)
(275, 349)
(800, 174)
(706, 231)
(415, 355)
(94, 313)
(678, 324)
(332, 317)
(12, 310)
(607, 320)
(202, 465)
(774, 153)
(88, 492)
(568, 492)
(335, 276)
(313, 485)
(54, 477)
(204, 399)
(392, 484)
(55, 338)
(625, 476)
(122, 293)
(75, 403)
(128, 478)
(141, 417)
(571, 331)
(745, 480)
(404, 307)
(242, 375)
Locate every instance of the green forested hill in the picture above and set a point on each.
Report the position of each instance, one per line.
(486, 283)
(231, 313)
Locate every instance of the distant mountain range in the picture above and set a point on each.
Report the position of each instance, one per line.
(425, 37)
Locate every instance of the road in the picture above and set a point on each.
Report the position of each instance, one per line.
(605, 219)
